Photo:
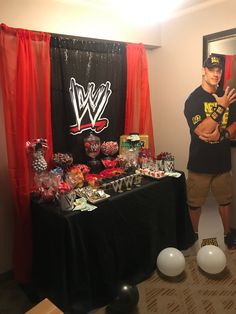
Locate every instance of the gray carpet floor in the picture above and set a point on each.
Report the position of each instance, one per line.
(12, 298)
(195, 292)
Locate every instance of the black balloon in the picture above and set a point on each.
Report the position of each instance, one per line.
(126, 299)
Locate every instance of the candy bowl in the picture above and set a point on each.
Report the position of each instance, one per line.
(109, 162)
(109, 148)
(62, 160)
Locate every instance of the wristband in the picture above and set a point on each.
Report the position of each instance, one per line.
(217, 114)
(224, 135)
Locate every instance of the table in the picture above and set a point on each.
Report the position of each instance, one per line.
(82, 256)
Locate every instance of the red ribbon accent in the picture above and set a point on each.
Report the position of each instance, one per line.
(99, 125)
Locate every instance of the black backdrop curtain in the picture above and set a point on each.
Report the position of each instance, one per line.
(88, 88)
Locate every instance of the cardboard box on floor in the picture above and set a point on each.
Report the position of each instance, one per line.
(45, 307)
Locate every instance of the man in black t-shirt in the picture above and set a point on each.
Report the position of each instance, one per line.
(211, 116)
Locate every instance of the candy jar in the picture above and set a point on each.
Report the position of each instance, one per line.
(36, 150)
(62, 160)
(109, 149)
(143, 157)
(39, 163)
(92, 145)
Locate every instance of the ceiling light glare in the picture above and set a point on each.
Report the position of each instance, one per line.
(146, 12)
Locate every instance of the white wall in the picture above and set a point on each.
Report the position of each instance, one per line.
(67, 17)
(174, 69)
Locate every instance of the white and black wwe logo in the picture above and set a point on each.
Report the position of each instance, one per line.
(91, 103)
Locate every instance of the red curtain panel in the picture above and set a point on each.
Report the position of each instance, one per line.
(25, 84)
(138, 116)
(230, 71)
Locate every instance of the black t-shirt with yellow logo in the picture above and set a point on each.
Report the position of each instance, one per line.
(214, 157)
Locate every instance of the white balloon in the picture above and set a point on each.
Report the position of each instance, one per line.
(211, 259)
(171, 262)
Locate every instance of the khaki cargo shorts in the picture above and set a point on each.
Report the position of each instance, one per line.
(200, 184)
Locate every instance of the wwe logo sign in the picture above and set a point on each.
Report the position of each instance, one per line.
(91, 103)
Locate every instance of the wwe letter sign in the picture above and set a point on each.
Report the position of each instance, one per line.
(93, 102)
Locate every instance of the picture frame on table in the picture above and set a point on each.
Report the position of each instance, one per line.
(125, 144)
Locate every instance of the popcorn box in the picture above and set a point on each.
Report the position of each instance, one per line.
(45, 307)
